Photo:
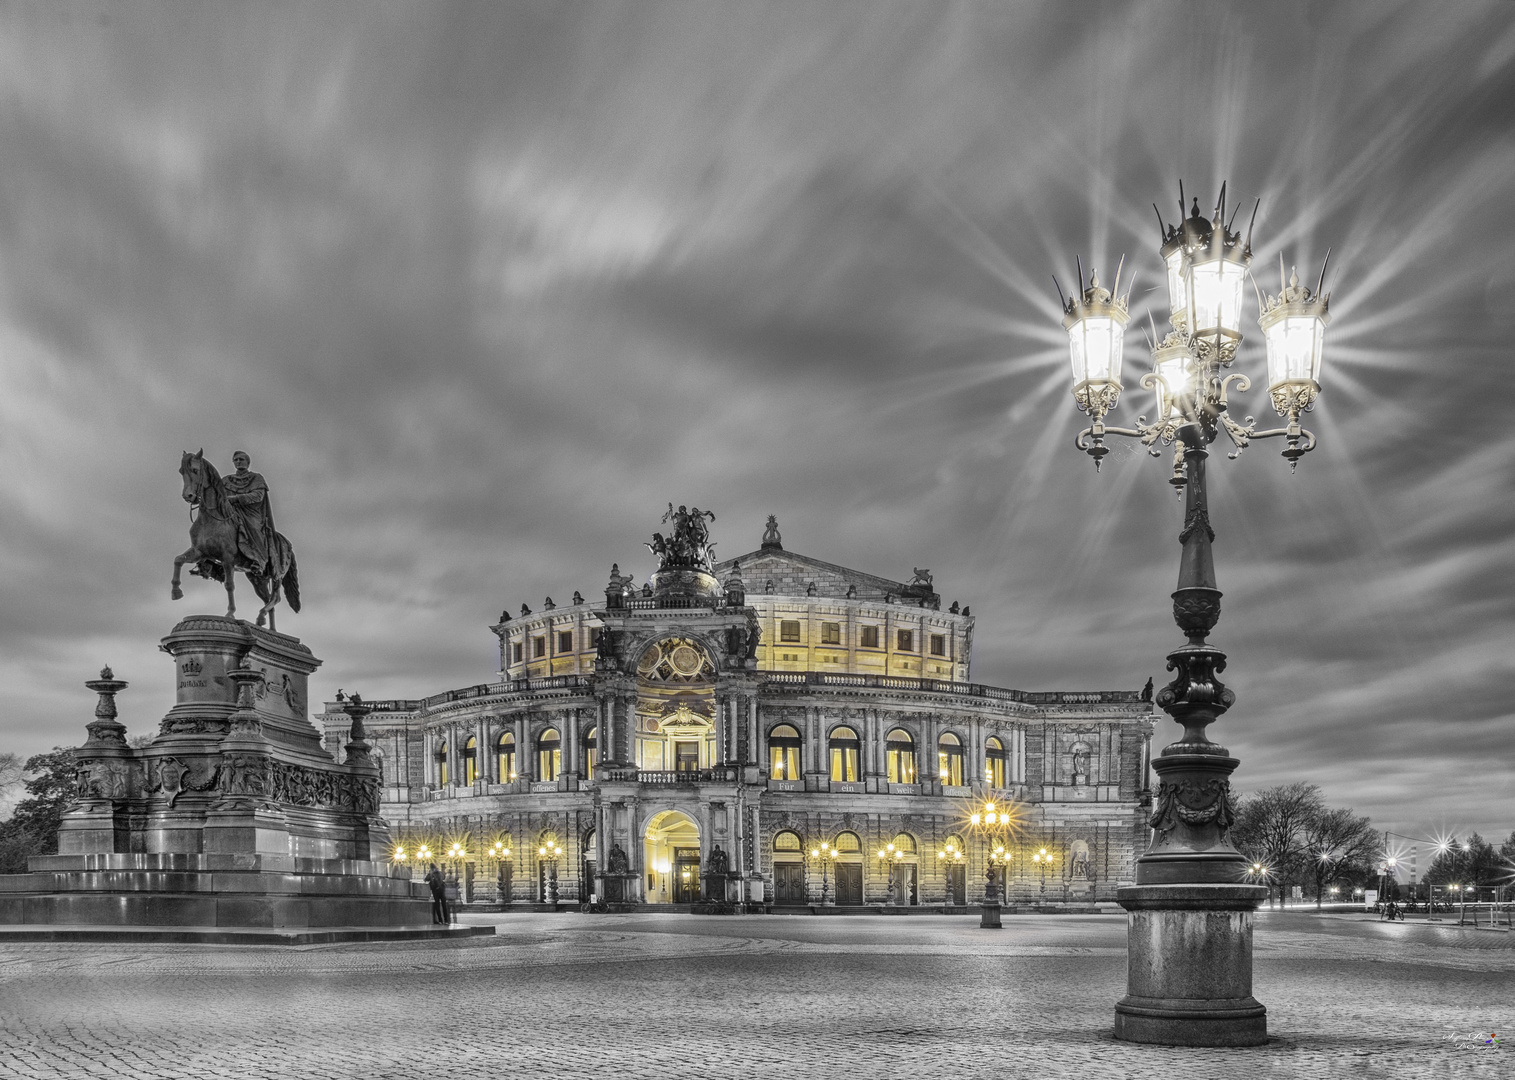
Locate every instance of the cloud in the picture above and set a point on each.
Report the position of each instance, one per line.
(482, 289)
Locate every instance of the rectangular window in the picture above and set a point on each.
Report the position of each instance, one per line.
(538, 647)
(784, 762)
(844, 760)
(565, 641)
(870, 637)
(904, 640)
(938, 644)
(686, 756)
(831, 633)
(789, 630)
(515, 652)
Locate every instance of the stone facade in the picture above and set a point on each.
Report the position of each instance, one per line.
(699, 739)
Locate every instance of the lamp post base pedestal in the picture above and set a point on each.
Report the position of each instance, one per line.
(1189, 980)
(988, 916)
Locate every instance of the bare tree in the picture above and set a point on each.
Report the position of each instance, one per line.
(1333, 839)
(1269, 831)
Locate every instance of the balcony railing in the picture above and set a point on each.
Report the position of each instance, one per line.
(676, 603)
(674, 777)
(940, 686)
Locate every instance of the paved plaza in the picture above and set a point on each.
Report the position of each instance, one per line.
(675, 996)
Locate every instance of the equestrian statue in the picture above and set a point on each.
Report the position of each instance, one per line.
(232, 530)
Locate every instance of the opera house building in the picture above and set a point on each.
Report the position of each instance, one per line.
(767, 731)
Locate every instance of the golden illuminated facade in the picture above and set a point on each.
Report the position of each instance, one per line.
(758, 731)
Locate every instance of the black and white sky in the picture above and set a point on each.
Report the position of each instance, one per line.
(482, 288)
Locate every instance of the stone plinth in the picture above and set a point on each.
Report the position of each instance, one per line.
(1189, 975)
(234, 816)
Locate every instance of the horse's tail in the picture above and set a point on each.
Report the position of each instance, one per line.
(292, 585)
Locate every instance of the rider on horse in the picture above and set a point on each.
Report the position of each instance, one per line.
(247, 492)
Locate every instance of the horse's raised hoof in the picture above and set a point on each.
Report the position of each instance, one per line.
(177, 593)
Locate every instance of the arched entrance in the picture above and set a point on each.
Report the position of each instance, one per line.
(671, 855)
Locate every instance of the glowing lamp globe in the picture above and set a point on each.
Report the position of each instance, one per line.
(1096, 324)
(1294, 327)
(1173, 365)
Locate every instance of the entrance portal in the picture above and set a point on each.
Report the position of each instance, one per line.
(671, 856)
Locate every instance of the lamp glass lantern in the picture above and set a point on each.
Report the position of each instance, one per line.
(1294, 328)
(1096, 325)
(1173, 364)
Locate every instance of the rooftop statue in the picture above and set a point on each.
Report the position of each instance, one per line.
(689, 547)
(232, 531)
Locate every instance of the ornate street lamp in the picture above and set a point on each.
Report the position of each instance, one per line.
(1191, 869)
(824, 855)
(889, 857)
(549, 853)
(1043, 859)
(501, 855)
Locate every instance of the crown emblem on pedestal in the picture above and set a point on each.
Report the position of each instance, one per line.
(190, 666)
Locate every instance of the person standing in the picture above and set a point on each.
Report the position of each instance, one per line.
(439, 909)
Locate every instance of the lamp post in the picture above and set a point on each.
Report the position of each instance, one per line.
(456, 854)
(950, 855)
(1043, 858)
(1199, 995)
(825, 855)
(549, 853)
(501, 855)
(890, 856)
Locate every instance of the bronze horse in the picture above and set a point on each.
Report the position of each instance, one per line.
(213, 544)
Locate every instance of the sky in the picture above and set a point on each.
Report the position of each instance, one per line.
(482, 288)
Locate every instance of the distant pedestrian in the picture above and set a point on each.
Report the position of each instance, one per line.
(439, 909)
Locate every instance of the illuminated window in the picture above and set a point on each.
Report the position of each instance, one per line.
(565, 641)
(904, 640)
(591, 751)
(442, 765)
(899, 757)
(506, 751)
(471, 761)
(515, 652)
(844, 754)
(538, 647)
(784, 753)
(831, 633)
(904, 842)
(789, 630)
(949, 760)
(870, 637)
(994, 763)
(787, 841)
(938, 644)
(549, 755)
(848, 843)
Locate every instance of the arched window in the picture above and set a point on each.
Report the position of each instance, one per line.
(904, 842)
(591, 752)
(506, 751)
(784, 753)
(848, 843)
(788, 842)
(844, 754)
(549, 755)
(471, 761)
(442, 763)
(949, 760)
(994, 763)
(899, 756)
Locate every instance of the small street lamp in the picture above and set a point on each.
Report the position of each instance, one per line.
(456, 854)
(1207, 265)
(825, 855)
(501, 855)
(550, 852)
(1043, 858)
(889, 856)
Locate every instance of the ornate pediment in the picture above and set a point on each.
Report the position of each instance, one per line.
(679, 719)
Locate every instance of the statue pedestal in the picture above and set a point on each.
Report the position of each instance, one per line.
(1189, 976)
(988, 916)
(234, 815)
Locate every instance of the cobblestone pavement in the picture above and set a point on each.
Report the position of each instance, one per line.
(680, 996)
